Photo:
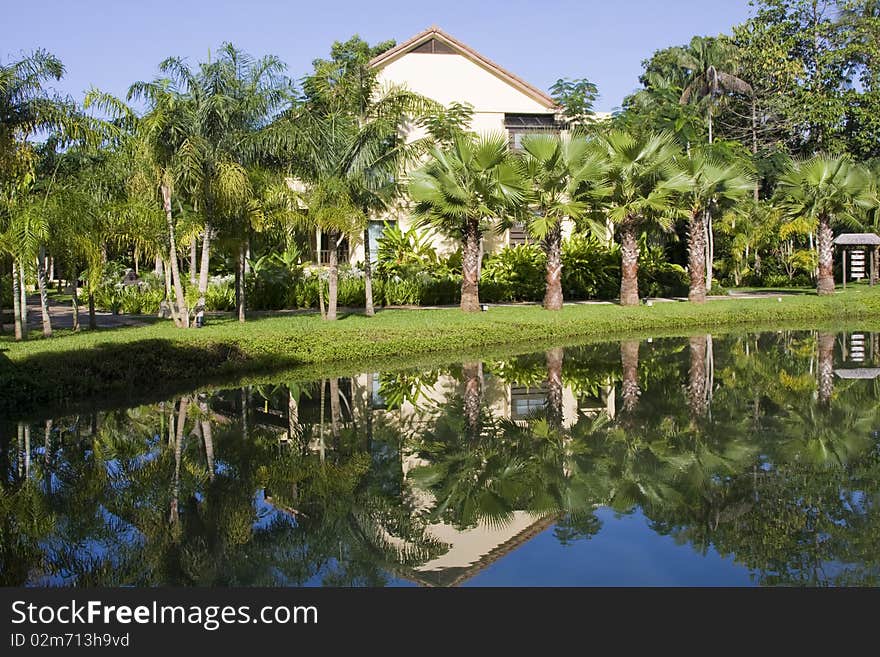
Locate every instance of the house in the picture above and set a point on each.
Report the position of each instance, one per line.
(439, 66)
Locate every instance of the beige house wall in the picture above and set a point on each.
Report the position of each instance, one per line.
(448, 78)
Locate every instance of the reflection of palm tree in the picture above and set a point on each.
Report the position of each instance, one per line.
(178, 451)
(554, 358)
(697, 380)
(473, 396)
(629, 358)
(826, 368)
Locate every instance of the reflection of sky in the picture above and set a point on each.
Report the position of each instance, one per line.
(625, 552)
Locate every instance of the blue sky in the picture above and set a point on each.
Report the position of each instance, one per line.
(111, 43)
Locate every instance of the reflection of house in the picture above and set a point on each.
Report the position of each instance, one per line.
(472, 550)
(859, 354)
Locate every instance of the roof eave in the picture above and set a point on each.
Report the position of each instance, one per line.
(466, 51)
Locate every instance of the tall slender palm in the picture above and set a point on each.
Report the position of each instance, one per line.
(642, 178)
(708, 60)
(712, 185)
(26, 107)
(827, 190)
(555, 171)
(462, 191)
(346, 86)
(207, 121)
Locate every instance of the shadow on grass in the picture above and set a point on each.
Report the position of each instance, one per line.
(128, 372)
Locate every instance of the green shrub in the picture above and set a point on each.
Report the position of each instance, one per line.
(514, 274)
(220, 294)
(590, 269)
(403, 254)
(657, 276)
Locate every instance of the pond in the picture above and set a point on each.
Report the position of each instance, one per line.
(711, 460)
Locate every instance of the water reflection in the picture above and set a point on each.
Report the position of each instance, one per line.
(757, 455)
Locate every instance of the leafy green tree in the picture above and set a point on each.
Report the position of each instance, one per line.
(345, 89)
(708, 62)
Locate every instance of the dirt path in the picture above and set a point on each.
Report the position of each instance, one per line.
(62, 316)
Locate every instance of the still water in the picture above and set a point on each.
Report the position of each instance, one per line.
(710, 460)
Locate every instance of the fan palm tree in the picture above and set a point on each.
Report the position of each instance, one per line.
(462, 191)
(827, 190)
(642, 178)
(711, 186)
(706, 59)
(555, 171)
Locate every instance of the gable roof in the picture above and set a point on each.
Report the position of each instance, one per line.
(466, 51)
(857, 239)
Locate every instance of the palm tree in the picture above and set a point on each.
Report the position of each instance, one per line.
(825, 189)
(555, 170)
(712, 185)
(25, 108)
(379, 153)
(206, 120)
(706, 59)
(642, 177)
(461, 192)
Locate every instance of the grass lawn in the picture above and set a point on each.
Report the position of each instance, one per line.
(93, 367)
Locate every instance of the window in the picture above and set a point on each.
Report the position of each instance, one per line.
(519, 125)
(376, 229)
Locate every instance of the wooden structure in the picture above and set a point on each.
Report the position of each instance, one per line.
(859, 247)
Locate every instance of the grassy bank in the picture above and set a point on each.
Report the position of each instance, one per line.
(123, 363)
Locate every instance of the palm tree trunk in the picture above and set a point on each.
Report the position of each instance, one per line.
(875, 264)
(44, 299)
(755, 145)
(2, 327)
(369, 311)
(697, 258)
(178, 455)
(710, 249)
(335, 410)
(553, 277)
(333, 282)
(16, 302)
(182, 311)
(470, 266)
(240, 283)
(203, 274)
(697, 380)
(629, 360)
(74, 304)
(207, 437)
(629, 253)
(245, 409)
(826, 368)
(22, 293)
(473, 396)
(826, 256)
(553, 359)
(93, 321)
(193, 260)
(294, 428)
